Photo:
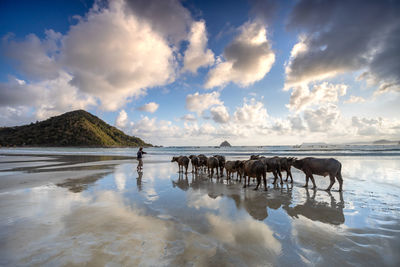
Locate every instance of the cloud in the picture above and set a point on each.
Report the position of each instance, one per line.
(252, 113)
(246, 60)
(342, 36)
(10, 115)
(302, 97)
(321, 119)
(200, 102)
(122, 119)
(149, 107)
(111, 54)
(197, 55)
(106, 58)
(220, 114)
(368, 127)
(355, 99)
(167, 17)
(189, 117)
(47, 97)
(155, 130)
(34, 58)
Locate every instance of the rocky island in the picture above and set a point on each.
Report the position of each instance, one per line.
(225, 144)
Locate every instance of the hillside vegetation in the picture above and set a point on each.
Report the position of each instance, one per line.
(75, 128)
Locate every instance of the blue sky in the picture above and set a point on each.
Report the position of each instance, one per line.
(199, 72)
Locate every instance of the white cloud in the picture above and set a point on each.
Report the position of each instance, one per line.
(302, 97)
(122, 119)
(155, 130)
(246, 60)
(220, 114)
(197, 55)
(47, 97)
(368, 127)
(149, 107)
(321, 119)
(112, 55)
(10, 115)
(355, 99)
(107, 57)
(200, 102)
(252, 113)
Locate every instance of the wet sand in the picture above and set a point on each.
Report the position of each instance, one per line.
(95, 210)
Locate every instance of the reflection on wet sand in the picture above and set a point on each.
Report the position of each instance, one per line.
(160, 218)
(74, 172)
(182, 182)
(256, 203)
(81, 184)
(319, 211)
(139, 181)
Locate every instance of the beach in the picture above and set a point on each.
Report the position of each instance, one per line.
(91, 207)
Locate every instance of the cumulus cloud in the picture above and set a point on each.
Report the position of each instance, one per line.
(122, 119)
(338, 36)
(251, 122)
(10, 115)
(246, 60)
(107, 56)
(302, 97)
(47, 97)
(111, 54)
(154, 129)
(220, 114)
(322, 119)
(197, 55)
(367, 126)
(200, 102)
(252, 113)
(149, 107)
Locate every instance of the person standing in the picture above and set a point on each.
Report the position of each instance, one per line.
(140, 158)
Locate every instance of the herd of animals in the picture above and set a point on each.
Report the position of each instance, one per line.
(258, 166)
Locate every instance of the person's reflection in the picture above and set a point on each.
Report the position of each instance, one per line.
(318, 210)
(182, 182)
(139, 181)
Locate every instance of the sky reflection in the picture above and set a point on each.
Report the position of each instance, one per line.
(160, 217)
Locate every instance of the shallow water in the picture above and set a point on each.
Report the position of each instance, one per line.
(111, 214)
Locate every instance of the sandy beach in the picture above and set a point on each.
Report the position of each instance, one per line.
(97, 210)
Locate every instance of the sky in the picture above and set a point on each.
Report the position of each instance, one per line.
(197, 72)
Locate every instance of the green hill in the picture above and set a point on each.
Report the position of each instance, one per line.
(75, 128)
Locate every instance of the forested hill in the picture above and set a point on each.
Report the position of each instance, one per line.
(75, 128)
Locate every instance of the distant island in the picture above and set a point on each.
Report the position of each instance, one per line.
(75, 128)
(385, 142)
(225, 144)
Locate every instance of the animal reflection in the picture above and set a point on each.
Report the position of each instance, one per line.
(318, 210)
(182, 182)
(257, 204)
